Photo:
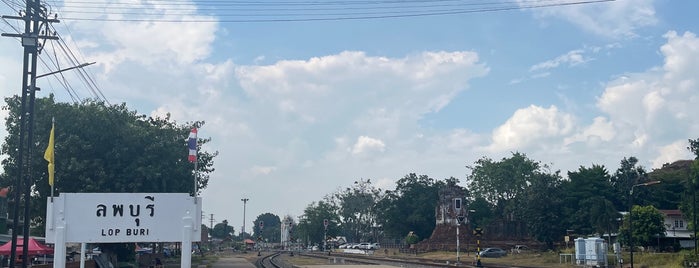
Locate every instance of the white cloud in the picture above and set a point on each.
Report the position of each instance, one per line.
(529, 126)
(374, 93)
(366, 144)
(262, 170)
(671, 153)
(601, 130)
(572, 58)
(656, 105)
(163, 39)
(615, 19)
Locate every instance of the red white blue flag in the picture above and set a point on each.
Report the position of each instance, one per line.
(192, 144)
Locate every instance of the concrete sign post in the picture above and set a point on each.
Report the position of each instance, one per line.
(123, 218)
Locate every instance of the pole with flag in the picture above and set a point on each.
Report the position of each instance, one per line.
(192, 145)
(49, 156)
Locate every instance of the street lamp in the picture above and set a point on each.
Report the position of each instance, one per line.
(631, 214)
(245, 201)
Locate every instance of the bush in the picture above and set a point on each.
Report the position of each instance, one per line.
(412, 238)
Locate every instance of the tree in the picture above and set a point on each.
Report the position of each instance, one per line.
(271, 227)
(584, 192)
(357, 209)
(503, 182)
(310, 227)
(410, 207)
(222, 230)
(694, 147)
(482, 214)
(103, 148)
(625, 177)
(647, 226)
(541, 209)
(670, 193)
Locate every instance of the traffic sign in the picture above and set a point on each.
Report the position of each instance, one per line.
(478, 231)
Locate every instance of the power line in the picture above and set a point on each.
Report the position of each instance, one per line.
(382, 13)
(52, 64)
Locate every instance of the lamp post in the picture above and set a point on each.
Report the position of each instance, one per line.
(631, 215)
(245, 201)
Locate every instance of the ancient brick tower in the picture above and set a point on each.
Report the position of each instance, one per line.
(450, 209)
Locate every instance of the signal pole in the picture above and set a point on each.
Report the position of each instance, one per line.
(36, 29)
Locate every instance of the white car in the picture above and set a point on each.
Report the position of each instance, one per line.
(372, 246)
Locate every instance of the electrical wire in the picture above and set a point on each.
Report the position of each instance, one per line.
(53, 64)
(368, 12)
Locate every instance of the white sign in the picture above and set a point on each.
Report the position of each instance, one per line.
(123, 217)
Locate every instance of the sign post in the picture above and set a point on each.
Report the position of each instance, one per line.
(123, 218)
(478, 232)
(325, 235)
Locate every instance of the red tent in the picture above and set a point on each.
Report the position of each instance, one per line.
(35, 248)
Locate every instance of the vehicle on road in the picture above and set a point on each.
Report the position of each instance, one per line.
(372, 246)
(520, 249)
(362, 246)
(493, 253)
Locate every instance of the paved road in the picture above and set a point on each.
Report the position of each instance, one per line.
(232, 262)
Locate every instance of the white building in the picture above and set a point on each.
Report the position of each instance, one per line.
(676, 228)
(287, 227)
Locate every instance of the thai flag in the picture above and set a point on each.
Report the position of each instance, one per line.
(192, 144)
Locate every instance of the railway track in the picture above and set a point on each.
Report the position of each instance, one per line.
(405, 262)
(269, 261)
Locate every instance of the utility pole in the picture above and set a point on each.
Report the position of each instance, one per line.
(36, 29)
(211, 221)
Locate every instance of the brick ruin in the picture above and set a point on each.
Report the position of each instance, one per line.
(450, 209)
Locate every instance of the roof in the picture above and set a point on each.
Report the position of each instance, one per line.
(671, 212)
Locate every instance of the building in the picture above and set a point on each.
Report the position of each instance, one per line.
(676, 229)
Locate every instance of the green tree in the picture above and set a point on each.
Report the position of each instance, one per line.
(694, 147)
(482, 214)
(670, 193)
(585, 191)
(222, 230)
(503, 182)
(357, 209)
(311, 229)
(410, 206)
(271, 227)
(647, 226)
(541, 209)
(625, 177)
(604, 217)
(102, 148)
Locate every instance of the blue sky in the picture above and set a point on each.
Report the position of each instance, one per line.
(301, 109)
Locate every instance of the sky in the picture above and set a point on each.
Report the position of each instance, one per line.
(301, 99)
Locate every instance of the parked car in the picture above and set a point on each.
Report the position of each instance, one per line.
(520, 249)
(493, 253)
(372, 246)
(343, 246)
(363, 246)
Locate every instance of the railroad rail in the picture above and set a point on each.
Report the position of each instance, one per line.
(268, 261)
(405, 262)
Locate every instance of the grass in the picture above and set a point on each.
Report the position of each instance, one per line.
(553, 259)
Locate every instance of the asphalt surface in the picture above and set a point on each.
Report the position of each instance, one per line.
(232, 262)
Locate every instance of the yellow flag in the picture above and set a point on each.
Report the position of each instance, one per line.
(48, 155)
